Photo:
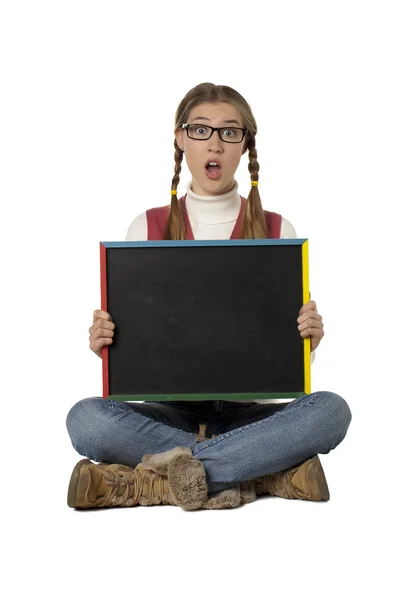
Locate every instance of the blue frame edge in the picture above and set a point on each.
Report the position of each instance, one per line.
(158, 243)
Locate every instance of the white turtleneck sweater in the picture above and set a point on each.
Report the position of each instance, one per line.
(211, 218)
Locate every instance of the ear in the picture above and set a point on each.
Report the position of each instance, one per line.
(179, 138)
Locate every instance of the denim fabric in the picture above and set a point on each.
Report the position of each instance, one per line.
(244, 440)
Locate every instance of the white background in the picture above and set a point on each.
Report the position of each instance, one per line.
(88, 96)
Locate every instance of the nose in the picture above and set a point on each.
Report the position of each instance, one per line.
(215, 143)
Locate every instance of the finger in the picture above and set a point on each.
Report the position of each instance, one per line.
(309, 315)
(101, 324)
(101, 314)
(99, 344)
(310, 324)
(313, 333)
(310, 305)
(99, 333)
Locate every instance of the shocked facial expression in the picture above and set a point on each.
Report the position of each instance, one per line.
(212, 162)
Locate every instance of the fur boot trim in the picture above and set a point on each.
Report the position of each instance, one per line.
(187, 482)
(247, 492)
(159, 462)
(229, 498)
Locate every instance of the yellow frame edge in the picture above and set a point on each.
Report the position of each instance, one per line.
(307, 341)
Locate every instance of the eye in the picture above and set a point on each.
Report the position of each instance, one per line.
(229, 133)
(200, 130)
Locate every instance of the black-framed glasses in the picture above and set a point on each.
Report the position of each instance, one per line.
(230, 135)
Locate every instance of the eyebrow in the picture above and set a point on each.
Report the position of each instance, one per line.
(226, 121)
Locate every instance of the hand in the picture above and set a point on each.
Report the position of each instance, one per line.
(101, 332)
(310, 324)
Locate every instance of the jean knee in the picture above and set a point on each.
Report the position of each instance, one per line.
(341, 410)
(84, 424)
(337, 412)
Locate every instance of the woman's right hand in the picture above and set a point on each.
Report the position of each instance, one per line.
(101, 332)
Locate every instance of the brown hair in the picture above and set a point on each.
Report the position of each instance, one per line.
(254, 223)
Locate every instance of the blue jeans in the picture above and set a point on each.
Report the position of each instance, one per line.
(245, 441)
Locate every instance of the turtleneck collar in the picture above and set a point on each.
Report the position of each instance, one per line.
(213, 210)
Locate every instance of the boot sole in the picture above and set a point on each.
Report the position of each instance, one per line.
(73, 483)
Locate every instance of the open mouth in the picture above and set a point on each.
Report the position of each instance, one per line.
(213, 169)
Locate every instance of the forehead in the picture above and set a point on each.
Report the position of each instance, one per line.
(216, 113)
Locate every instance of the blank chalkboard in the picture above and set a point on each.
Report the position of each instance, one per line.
(205, 319)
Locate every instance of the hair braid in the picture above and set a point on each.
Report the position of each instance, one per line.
(175, 228)
(254, 224)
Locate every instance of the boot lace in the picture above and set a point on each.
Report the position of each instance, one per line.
(126, 488)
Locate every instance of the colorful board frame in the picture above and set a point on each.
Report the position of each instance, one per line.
(125, 267)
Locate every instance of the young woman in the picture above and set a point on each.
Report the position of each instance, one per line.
(206, 454)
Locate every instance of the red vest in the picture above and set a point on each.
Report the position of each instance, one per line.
(157, 221)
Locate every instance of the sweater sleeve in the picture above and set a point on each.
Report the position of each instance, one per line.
(287, 230)
(137, 231)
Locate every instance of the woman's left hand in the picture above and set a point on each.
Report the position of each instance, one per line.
(310, 324)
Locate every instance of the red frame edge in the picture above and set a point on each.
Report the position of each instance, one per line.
(103, 291)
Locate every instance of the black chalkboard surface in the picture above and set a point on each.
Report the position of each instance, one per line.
(205, 320)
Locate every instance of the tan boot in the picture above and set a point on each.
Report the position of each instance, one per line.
(174, 477)
(305, 482)
(105, 485)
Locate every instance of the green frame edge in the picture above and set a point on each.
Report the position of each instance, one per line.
(199, 397)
